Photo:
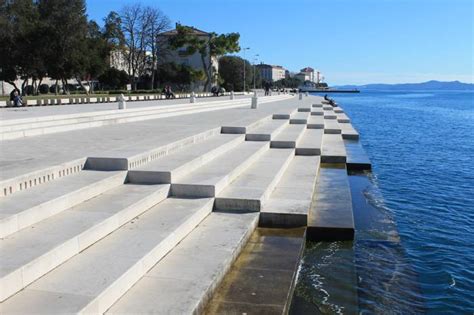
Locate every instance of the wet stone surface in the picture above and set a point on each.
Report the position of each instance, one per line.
(262, 279)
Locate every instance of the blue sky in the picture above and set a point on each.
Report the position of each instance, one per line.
(350, 41)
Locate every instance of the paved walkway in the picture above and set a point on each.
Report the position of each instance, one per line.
(22, 156)
(38, 111)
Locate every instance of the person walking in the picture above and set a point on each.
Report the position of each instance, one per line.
(267, 88)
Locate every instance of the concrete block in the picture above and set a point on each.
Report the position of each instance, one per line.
(304, 109)
(210, 179)
(70, 232)
(310, 143)
(189, 275)
(357, 159)
(331, 217)
(288, 137)
(315, 122)
(175, 165)
(266, 131)
(331, 126)
(317, 113)
(28, 207)
(101, 274)
(252, 188)
(333, 150)
(342, 118)
(299, 118)
(348, 132)
(290, 202)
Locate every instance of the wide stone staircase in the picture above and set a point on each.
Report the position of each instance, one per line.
(157, 234)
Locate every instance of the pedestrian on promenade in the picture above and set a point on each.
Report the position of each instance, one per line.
(267, 88)
(168, 92)
(15, 98)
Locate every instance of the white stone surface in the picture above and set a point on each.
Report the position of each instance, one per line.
(253, 187)
(315, 122)
(171, 167)
(266, 131)
(299, 118)
(310, 143)
(332, 209)
(290, 202)
(97, 277)
(187, 277)
(333, 149)
(64, 235)
(348, 132)
(288, 137)
(210, 179)
(24, 208)
(331, 126)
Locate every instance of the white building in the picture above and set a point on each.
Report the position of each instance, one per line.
(271, 73)
(309, 74)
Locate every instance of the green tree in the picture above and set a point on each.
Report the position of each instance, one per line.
(181, 76)
(19, 23)
(113, 31)
(231, 71)
(213, 47)
(287, 83)
(113, 79)
(65, 29)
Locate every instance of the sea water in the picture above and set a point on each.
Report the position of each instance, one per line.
(414, 214)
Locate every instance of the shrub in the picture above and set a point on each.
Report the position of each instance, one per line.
(29, 90)
(43, 89)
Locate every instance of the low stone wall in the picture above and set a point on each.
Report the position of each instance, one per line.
(102, 99)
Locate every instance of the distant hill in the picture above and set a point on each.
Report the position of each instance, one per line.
(429, 85)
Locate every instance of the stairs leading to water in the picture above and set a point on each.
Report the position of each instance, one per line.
(159, 234)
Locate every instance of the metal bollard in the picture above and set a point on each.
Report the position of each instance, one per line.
(254, 101)
(122, 104)
(193, 98)
(232, 95)
(301, 96)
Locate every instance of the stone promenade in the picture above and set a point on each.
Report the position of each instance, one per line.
(145, 210)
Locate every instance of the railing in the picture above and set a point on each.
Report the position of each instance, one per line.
(91, 99)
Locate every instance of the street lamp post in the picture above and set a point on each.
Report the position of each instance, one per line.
(254, 66)
(244, 49)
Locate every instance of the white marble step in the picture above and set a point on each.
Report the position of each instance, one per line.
(211, 178)
(348, 132)
(331, 126)
(315, 122)
(27, 207)
(185, 279)
(299, 118)
(266, 131)
(171, 167)
(32, 252)
(310, 143)
(253, 187)
(331, 218)
(342, 118)
(288, 137)
(93, 280)
(333, 149)
(290, 202)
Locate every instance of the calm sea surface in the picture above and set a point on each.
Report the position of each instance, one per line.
(418, 256)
